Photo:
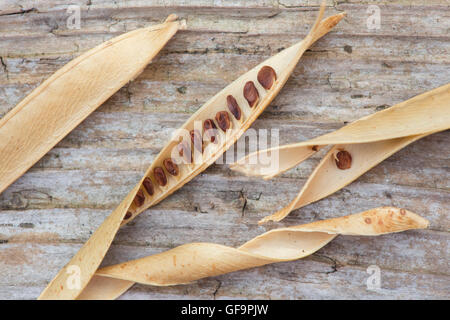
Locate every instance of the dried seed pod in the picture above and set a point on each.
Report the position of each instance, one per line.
(343, 160)
(90, 256)
(251, 94)
(25, 133)
(139, 198)
(234, 107)
(196, 140)
(209, 128)
(160, 176)
(148, 186)
(223, 120)
(201, 260)
(184, 150)
(266, 77)
(171, 167)
(128, 215)
(371, 139)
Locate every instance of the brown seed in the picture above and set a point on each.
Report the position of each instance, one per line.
(209, 128)
(148, 186)
(139, 198)
(127, 215)
(196, 140)
(251, 94)
(234, 107)
(368, 220)
(343, 160)
(184, 150)
(171, 167)
(223, 120)
(266, 77)
(160, 176)
(315, 148)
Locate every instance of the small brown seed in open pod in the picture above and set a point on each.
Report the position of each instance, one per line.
(160, 176)
(223, 120)
(266, 77)
(139, 198)
(171, 167)
(251, 94)
(234, 107)
(343, 160)
(148, 186)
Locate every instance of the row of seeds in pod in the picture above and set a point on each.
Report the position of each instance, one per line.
(266, 77)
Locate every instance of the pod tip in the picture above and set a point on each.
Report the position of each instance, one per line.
(172, 17)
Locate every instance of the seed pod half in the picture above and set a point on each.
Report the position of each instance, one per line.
(200, 260)
(171, 167)
(160, 176)
(223, 120)
(266, 77)
(251, 94)
(370, 140)
(26, 135)
(234, 107)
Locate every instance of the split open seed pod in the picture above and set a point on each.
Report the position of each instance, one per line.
(194, 261)
(357, 147)
(207, 134)
(65, 99)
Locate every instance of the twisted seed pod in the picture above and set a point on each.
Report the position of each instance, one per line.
(195, 261)
(367, 142)
(65, 99)
(91, 254)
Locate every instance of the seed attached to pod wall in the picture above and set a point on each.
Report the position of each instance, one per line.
(251, 94)
(234, 107)
(171, 167)
(196, 139)
(266, 77)
(223, 120)
(139, 198)
(160, 176)
(209, 128)
(343, 160)
(148, 186)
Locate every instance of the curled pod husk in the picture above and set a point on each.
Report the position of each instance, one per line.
(214, 143)
(357, 147)
(194, 261)
(73, 92)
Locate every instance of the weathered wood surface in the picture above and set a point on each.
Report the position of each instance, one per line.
(51, 211)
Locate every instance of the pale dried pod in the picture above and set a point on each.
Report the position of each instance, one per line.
(90, 255)
(63, 101)
(194, 261)
(369, 140)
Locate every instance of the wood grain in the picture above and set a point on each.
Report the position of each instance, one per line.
(50, 212)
